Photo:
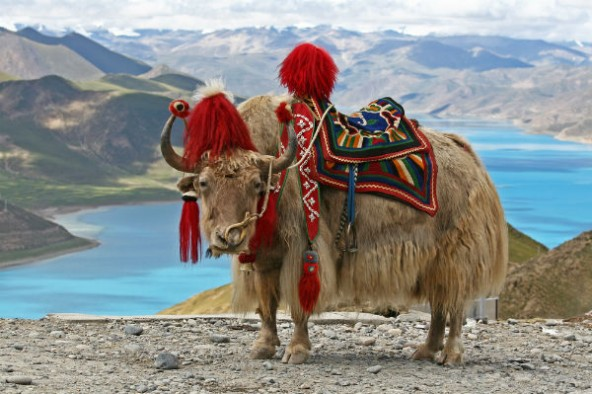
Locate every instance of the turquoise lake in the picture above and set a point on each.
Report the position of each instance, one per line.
(545, 186)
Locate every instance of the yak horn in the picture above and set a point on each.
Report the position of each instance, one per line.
(166, 148)
(281, 163)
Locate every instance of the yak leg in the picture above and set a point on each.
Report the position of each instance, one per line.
(435, 339)
(298, 350)
(267, 285)
(453, 350)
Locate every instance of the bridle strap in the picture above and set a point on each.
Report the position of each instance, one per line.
(251, 217)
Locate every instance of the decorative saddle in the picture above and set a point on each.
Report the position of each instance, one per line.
(391, 157)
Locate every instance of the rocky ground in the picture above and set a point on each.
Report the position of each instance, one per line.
(210, 355)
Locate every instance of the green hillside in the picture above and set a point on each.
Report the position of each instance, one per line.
(522, 247)
(179, 81)
(81, 147)
(5, 77)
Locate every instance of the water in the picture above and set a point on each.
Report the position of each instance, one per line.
(545, 186)
(135, 270)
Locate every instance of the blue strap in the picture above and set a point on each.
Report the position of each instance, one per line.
(351, 191)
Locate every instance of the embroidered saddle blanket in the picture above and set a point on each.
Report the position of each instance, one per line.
(378, 131)
(394, 159)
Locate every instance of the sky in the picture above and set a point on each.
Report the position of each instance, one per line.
(554, 20)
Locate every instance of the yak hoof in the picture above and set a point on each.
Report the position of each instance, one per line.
(261, 351)
(450, 357)
(423, 352)
(296, 354)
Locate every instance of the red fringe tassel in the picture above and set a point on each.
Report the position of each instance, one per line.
(309, 286)
(189, 236)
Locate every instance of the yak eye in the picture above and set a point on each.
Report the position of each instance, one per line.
(203, 183)
(258, 184)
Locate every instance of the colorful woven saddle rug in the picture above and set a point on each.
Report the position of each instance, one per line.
(394, 159)
(378, 131)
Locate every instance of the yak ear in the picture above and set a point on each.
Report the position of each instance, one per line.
(186, 184)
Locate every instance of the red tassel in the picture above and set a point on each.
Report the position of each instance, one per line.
(215, 125)
(189, 236)
(309, 71)
(264, 229)
(284, 112)
(309, 286)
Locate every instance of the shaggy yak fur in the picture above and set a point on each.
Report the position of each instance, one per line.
(405, 256)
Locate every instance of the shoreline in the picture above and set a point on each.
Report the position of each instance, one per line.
(53, 214)
(91, 244)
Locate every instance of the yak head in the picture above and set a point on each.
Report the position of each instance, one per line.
(230, 187)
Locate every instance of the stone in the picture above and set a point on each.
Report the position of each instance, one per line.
(367, 341)
(217, 338)
(395, 332)
(133, 348)
(57, 334)
(132, 329)
(330, 334)
(20, 379)
(268, 365)
(374, 369)
(166, 360)
(413, 317)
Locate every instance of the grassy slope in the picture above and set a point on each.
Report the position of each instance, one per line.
(217, 300)
(61, 174)
(556, 284)
(6, 77)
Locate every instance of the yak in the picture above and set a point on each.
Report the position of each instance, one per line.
(404, 255)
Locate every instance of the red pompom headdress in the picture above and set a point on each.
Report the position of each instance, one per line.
(309, 71)
(214, 125)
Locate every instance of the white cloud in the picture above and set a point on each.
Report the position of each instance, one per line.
(545, 19)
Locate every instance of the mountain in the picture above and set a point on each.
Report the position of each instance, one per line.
(98, 145)
(435, 54)
(24, 235)
(104, 59)
(556, 284)
(541, 86)
(536, 52)
(28, 54)
(23, 58)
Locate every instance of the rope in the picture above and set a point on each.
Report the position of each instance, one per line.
(251, 217)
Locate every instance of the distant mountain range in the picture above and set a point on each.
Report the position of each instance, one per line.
(541, 86)
(29, 54)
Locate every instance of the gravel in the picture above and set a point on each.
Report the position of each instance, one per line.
(211, 355)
